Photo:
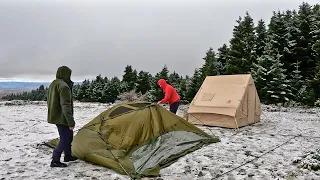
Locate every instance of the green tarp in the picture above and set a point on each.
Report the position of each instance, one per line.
(136, 138)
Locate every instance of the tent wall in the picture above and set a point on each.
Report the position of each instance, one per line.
(206, 119)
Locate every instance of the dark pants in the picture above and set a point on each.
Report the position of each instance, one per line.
(174, 107)
(64, 145)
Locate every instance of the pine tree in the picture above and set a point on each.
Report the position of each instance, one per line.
(261, 71)
(304, 46)
(156, 93)
(278, 32)
(97, 89)
(270, 78)
(211, 66)
(143, 82)
(315, 31)
(291, 37)
(261, 36)
(174, 79)
(130, 76)
(182, 90)
(279, 90)
(194, 85)
(82, 92)
(111, 90)
(223, 58)
(241, 54)
(296, 82)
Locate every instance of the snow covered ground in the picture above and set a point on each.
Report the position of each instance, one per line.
(24, 126)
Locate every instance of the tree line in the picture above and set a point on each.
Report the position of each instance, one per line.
(282, 56)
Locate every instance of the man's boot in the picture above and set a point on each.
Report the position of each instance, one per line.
(69, 158)
(57, 164)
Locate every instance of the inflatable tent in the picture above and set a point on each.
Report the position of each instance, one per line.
(136, 139)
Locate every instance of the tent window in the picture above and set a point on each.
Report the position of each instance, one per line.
(139, 105)
(119, 110)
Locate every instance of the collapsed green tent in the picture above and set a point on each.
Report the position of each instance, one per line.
(136, 139)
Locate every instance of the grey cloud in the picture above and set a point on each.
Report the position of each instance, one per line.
(96, 37)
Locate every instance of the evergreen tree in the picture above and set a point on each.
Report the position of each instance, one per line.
(130, 77)
(241, 54)
(156, 93)
(261, 71)
(182, 90)
(279, 90)
(211, 66)
(194, 85)
(223, 58)
(291, 37)
(82, 94)
(278, 32)
(304, 46)
(143, 82)
(111, 90)
(315, 33)
(174, 79)
(261, 36)
(270, 78)
(96, 89)
(296, 82)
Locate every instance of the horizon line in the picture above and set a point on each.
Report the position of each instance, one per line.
(29, 80)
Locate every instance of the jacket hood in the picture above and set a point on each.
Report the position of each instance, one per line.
(162, 83)
(64, 73)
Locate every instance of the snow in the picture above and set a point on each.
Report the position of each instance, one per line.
(291, 132)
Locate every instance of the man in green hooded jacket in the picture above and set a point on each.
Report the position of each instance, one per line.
(60, 113)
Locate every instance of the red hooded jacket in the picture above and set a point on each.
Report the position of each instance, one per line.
(171, 95)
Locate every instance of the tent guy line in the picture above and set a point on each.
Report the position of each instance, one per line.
(219, 175)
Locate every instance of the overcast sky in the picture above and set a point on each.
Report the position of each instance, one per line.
(94, 37)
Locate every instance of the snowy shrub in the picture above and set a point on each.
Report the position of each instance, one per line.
(16, 103)
(132, 96)
(317, 103)
(310, 161)
(306, 95)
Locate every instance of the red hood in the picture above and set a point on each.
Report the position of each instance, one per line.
(162, 83)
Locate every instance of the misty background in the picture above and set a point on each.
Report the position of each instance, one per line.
(102, 37)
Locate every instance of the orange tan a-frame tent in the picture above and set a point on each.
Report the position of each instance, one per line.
(229, 101)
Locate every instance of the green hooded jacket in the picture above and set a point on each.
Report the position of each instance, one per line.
(60, 101)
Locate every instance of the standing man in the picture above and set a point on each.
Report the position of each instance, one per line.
(60, 113)
(171, 96)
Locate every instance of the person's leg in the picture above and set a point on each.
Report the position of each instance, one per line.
(174, 107)
(59, 148)
(67, 151)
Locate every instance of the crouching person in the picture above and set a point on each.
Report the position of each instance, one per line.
(60, 113)
(171, 96)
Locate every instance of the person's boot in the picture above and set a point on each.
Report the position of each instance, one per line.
(70, 158)
(57, 164)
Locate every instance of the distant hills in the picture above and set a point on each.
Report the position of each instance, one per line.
(15, 87)
(8, 87)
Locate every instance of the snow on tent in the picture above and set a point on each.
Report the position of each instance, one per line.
(136, 139)
(229, 101)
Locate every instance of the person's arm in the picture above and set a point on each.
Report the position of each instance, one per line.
(65, 102)
(167, 96)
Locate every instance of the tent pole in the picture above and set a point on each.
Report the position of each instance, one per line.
(119, 163)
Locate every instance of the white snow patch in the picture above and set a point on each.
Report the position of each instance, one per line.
(24, 126)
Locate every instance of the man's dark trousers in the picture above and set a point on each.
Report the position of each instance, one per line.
(174, 107)
(64, 145)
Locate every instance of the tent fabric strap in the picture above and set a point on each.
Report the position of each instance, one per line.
(237, 126)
